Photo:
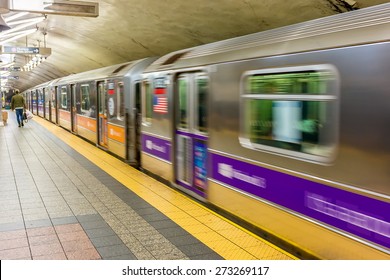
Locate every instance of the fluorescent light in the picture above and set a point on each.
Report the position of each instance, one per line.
(33, 21)
(16, 16)
(18, 35)
(7, 65)
(39, 19)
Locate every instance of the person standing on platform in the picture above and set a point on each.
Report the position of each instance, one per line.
(19, 105)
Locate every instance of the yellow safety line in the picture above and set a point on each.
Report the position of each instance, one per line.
(226, 238)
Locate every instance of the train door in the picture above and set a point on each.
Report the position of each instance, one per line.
(55, 105)
(40, 103)
(73, 108)
(32, 101)
(29, 100)
(102, 116)
(191, 135)
(47, 103)
(137, 123)
(44, 102)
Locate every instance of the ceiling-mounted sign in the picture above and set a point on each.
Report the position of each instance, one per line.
(11, 69)
(15, 69)
(10, 77)
(25, 50)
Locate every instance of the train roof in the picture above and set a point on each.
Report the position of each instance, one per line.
(42, 85)
(348, 29)
(100, 73)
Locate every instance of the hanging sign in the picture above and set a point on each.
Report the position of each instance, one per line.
(11, 69)
(25, 50)
(10, 77)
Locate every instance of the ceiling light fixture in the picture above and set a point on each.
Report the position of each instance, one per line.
(21, 21)
(18, 35)
(3, 25)
(28, 22)
(16, 16)
(56, 7)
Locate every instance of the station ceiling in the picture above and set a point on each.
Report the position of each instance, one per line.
(127, 30)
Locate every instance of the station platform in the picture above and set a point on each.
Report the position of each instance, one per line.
(63, 198)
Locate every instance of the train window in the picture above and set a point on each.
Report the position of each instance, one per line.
(310, 82)
(148, 101)
(291, 111)
(85, 99)
(64, 98)
(202, 84)
(121, 101)
(183, 101)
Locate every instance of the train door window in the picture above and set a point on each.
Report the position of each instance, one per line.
(34, 99)
(85, 98)
(112, 101)
(201, 102)
(137, 122)
(138, 97)
(53, 95)
(39, 96)
(40, 99)
(121, 101)
(147, 97)
(291, 111)
(57, 100)
(54, 102)
(64, 98)
(42, 107)
(102, 104)
(183, 101)
(47, 97)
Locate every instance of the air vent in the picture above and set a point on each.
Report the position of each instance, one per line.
(173, 58)
(120, 68)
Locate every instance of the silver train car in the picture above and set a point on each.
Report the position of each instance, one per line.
(41, 101)
(285, 130)
(100, 106)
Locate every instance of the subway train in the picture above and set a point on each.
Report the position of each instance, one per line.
(285, 130)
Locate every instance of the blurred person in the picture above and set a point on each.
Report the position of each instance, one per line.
(19, 105)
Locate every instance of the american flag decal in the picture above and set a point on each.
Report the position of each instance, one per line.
(160, 105)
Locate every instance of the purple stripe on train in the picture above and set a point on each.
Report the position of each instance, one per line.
(157, 147)
(353, 213)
